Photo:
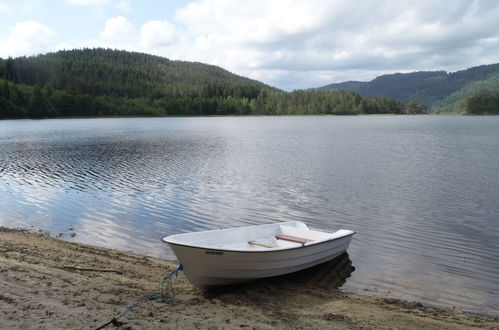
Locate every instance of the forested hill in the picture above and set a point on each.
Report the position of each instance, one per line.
(127, 74)
(439, 90)
(104, 82)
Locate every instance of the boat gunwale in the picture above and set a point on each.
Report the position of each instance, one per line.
(310, 244)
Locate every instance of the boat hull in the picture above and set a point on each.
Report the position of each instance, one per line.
(207, 268)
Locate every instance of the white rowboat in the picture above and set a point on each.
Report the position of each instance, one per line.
(237, 255)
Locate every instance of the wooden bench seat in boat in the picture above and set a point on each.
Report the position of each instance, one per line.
(289, 238)
(295, 239)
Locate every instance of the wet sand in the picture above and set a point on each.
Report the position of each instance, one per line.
(48, 283)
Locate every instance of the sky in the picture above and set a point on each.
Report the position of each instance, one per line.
(284, 43)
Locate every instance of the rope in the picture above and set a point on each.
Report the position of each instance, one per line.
(167, 296)
(167, 292)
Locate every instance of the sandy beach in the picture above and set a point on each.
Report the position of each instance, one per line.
(48, 283)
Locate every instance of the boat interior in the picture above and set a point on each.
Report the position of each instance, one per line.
(257, 238)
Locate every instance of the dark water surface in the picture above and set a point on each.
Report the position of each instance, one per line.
(422, 192)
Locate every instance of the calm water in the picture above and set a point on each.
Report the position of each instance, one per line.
(422, 192)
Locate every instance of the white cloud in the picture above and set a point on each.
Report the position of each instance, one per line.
(154, 37)
(254, 23)
(27, 38)
(118, 30)
(323, 41)
(157, 34)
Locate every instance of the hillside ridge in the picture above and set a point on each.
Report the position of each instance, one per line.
(440, 91)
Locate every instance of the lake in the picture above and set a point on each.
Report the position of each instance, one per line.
(421, 192)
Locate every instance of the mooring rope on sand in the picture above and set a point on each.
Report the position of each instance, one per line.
(167, 296)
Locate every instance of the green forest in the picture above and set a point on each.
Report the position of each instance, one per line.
(440, 91)
(104, 82)
(482, 104)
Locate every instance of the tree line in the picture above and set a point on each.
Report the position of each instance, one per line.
(482, 104)
(103, 82)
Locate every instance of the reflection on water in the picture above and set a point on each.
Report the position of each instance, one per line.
(422, 193)
(327, 277)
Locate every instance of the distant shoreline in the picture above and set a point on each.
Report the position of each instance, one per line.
(251, 116)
